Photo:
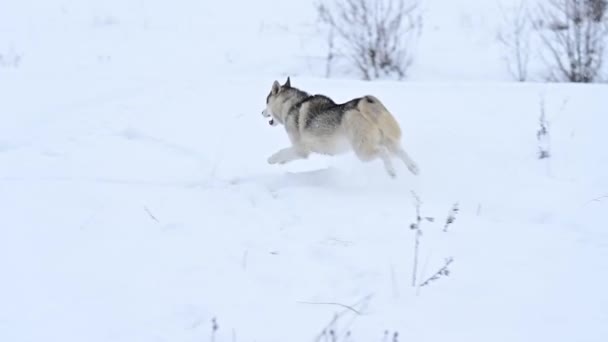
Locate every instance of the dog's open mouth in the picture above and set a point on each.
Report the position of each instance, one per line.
(271, 122)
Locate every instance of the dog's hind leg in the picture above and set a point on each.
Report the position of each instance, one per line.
(366, 141)
(397, 150)
(368, 153)
(287, 155)
(388, 164)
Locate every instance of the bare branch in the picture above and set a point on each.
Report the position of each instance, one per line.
(151, 215)
(451, 217)
(332, 303)
(443, 271)
(598, 199)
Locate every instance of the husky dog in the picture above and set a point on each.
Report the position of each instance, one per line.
(316, 124)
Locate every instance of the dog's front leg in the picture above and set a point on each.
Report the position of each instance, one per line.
(287, 154)
(296, 151)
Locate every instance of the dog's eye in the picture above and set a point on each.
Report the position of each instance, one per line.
(268, 98)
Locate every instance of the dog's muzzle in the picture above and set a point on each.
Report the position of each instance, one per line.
(272, 121)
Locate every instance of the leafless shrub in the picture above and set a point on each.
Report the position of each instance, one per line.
(377, 36)
(416, 227)
(514, 35)
(574, 36)
(542, 134)
(443, 271)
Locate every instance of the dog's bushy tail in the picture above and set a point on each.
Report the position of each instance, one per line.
(373, 110)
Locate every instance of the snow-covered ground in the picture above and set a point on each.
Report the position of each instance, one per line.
(136, 203)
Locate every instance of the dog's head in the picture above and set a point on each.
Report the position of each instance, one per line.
(274, 100)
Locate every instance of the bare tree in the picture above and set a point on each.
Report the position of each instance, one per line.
(377, 36)
(514, 35)
(574, 36)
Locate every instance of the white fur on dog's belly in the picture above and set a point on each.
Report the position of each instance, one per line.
(330, 145)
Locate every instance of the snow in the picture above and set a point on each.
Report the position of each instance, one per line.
(136, 203)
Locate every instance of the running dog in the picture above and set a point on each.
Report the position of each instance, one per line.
(316, 124)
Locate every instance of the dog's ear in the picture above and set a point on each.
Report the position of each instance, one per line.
(275, 88)
(287, 83)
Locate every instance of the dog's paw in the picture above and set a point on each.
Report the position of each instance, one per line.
(391, 172)
(274, 159)
(413, 169)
